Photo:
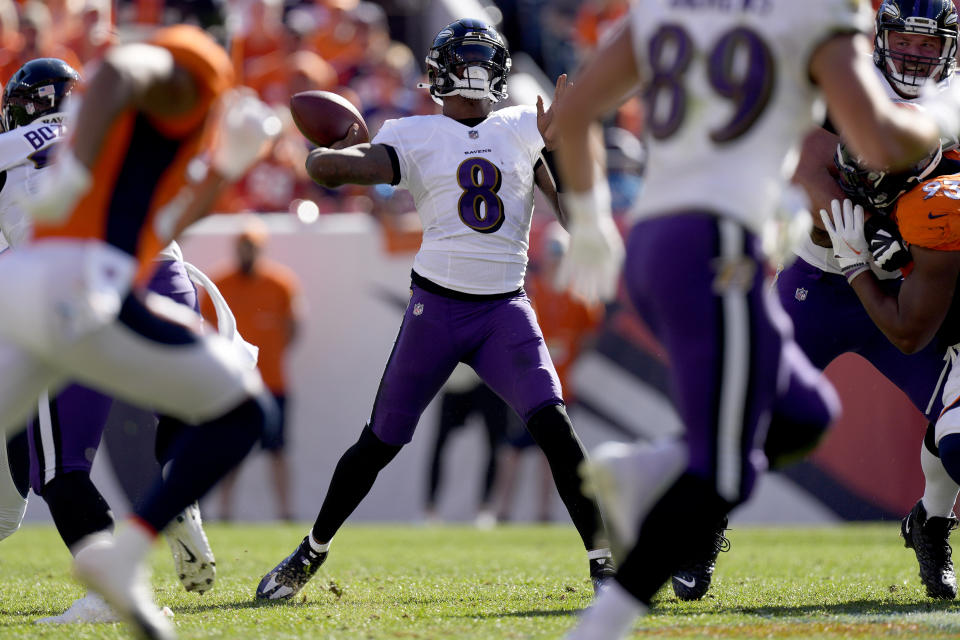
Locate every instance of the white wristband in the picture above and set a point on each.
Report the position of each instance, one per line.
(588, 206)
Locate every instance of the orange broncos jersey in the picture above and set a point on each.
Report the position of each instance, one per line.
(143, 160)
(929, 214)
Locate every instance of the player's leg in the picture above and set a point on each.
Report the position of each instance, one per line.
(808, 295)
(495, 414)
(150, 360)
(13, 488)
(455, 406)
(710, 307)
(423, 356)
(513, 360)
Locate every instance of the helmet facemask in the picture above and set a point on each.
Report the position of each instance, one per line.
(474, 65)
(935, 18)
(916, 70)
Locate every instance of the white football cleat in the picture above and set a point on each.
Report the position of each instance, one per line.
(117, 570)
(89, 608)
(627, 480)
(192, 556)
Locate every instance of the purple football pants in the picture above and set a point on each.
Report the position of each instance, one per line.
(829, 320)
(500, 339)
(66, 433)
(699, 282)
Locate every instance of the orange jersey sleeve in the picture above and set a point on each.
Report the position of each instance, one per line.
(929, 215)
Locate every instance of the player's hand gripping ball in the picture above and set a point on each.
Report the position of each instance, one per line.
(324, 117)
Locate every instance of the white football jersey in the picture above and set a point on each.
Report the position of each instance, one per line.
(729, 97)
(24, 152)
(473, 187)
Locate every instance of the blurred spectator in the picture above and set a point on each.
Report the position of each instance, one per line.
(93, 34)
(11, 42)
(38, 39)
(264, 297)
(463, 395)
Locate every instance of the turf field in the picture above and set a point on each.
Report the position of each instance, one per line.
(513, 582)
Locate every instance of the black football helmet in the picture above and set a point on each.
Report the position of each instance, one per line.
(36, 89)
(926, 17)
(879, 190)
(468, 58)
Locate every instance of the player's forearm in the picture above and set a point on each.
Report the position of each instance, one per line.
(362, 164)
(108, 94)
(891, 317)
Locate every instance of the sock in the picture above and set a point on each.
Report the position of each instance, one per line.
(352, 480)
(553, 432)
(316, 546)
(949, 447)
(939, 489)
(76, 506)
(202, 456)
(610, 617)
(95, 538)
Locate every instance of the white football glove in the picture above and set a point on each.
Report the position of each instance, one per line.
(58, 190)
(592, 263)
(246, 125)
(846, 234)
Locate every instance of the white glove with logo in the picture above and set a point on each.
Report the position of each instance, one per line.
(246, 125)
(846, 234)
(592, 263)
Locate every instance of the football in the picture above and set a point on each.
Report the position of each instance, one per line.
(324, 117)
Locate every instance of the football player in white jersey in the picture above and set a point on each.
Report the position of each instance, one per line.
(914, 42)
(471, 171)
(730, 89)
(53, 455)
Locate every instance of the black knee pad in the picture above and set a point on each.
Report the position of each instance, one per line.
(18, 457)
(77, 507)
(549, 424)
(372, 449)
(930, 439)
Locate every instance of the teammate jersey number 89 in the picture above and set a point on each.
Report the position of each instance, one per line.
(740, 68)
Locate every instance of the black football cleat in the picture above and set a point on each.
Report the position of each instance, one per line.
(692, 580)
(929, 539)
(293, 573)
(602, 571)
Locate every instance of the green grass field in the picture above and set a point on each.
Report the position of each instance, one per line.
(513, 582)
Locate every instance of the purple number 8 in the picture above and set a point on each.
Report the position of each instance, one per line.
(479, 206)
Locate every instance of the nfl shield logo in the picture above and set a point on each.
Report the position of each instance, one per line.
(801, 294)
(473, 134)
(418, 309)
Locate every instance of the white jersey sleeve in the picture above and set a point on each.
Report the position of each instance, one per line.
(389, 134)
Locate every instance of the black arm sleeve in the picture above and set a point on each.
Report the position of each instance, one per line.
(551, 164)
(395, 163)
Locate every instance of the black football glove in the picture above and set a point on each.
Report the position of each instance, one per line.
(886, 244)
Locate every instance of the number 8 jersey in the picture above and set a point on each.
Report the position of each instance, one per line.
(473, 187)
(728, 96)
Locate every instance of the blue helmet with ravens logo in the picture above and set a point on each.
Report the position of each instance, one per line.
(36, 89)
(468, 58)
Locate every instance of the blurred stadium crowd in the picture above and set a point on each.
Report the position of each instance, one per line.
(369, 52)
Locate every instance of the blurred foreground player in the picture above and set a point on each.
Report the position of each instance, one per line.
(694, 267)
(471, 171)
(157, 136)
